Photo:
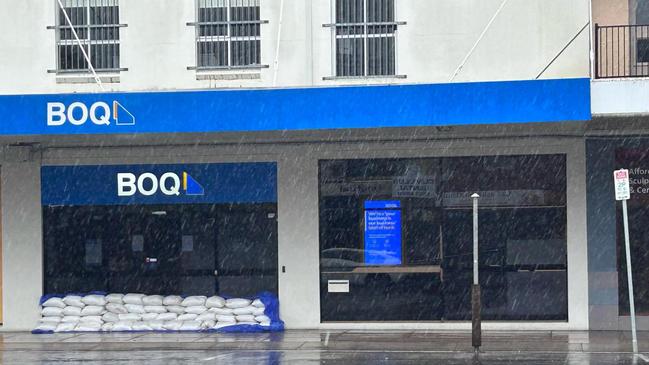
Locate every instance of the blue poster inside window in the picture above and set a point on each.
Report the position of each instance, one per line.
(382, 233)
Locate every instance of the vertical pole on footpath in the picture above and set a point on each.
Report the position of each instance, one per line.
(476, 328)
(623, 193)
(627, 247)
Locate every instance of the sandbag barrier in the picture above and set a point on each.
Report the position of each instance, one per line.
(101, 312)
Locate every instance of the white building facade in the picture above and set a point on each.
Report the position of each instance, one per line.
(299, 121)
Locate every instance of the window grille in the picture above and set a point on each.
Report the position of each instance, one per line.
(228, 34)
(97, 25)
(365, 38)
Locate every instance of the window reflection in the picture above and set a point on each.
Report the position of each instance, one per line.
(522, 238)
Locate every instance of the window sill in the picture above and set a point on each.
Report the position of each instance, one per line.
(229, 73)
(86, 78)
(361, 78)
(83, 77)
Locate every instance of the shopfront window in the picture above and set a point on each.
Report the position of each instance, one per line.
(396, 238)
(207, 229)
(637, 162)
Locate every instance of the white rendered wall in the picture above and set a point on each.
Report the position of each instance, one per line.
(157, 46)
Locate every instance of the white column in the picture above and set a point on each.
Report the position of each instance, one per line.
(577, 237)
(22, 240)
(299, 286)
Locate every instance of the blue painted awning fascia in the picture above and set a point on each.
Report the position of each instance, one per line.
(312, 108)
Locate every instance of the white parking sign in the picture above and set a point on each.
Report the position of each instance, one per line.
(622, 189)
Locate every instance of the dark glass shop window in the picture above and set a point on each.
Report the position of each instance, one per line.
(637, 162)
(199, 249)
(396, 238)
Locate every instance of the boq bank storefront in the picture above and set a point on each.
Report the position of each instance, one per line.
(237, 193)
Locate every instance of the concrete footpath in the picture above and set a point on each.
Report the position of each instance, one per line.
(324, 347)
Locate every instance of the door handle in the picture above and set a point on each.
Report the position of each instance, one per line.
(216, 272)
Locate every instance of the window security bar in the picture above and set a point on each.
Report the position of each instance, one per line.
(95, 44)
(364, 39)
(228, 35)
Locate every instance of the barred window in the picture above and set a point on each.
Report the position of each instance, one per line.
(228, 34)
(96, 23)
(365, 38)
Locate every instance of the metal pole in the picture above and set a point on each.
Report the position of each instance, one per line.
(629, 276)
(476, 333)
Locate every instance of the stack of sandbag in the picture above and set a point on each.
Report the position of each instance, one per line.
(73, 313)
(140, 312)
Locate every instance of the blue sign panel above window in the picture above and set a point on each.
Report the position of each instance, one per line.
(159, 184)
(297, 109)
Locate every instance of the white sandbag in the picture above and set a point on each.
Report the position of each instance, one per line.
(167, 317)
(244, 310)
(222, 311)
(70, 319)
(224, 324)
(71, 311)
(115, 298)
(92, 310)
(265, 324)
(246, 318)
(259, 311)
(46, 326)
(257, 303)
(73, 300)
(123, 326)
(156, 325)
(54, 302)
(208, 324)
(237, 303)
(116, 308)
(52, 312)
(94, 299)
(187, 317)
(194, 300)
(149, 316)
(172, 325)
(152, 300)
(110, 317)
(223, 318)
(107, 327)
(155, 308)
(207, 316)
(172, 300)
(196, 309)
(54, 319)
(141, 326)
(178, 309)
(131, 298)
(66, 327)
(88, 327)
(247, 323)
(131, 317)
(190, 326)
(91, 319)
(135, 308)
(262, 319)
(215, 302)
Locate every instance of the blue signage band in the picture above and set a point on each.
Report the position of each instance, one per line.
(297, 109)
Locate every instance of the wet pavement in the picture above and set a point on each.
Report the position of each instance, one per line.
(324, 347)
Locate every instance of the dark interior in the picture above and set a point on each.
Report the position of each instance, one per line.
(194, 249)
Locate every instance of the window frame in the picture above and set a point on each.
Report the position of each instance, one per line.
(365, 36)
(226, 38)
(87, 41)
